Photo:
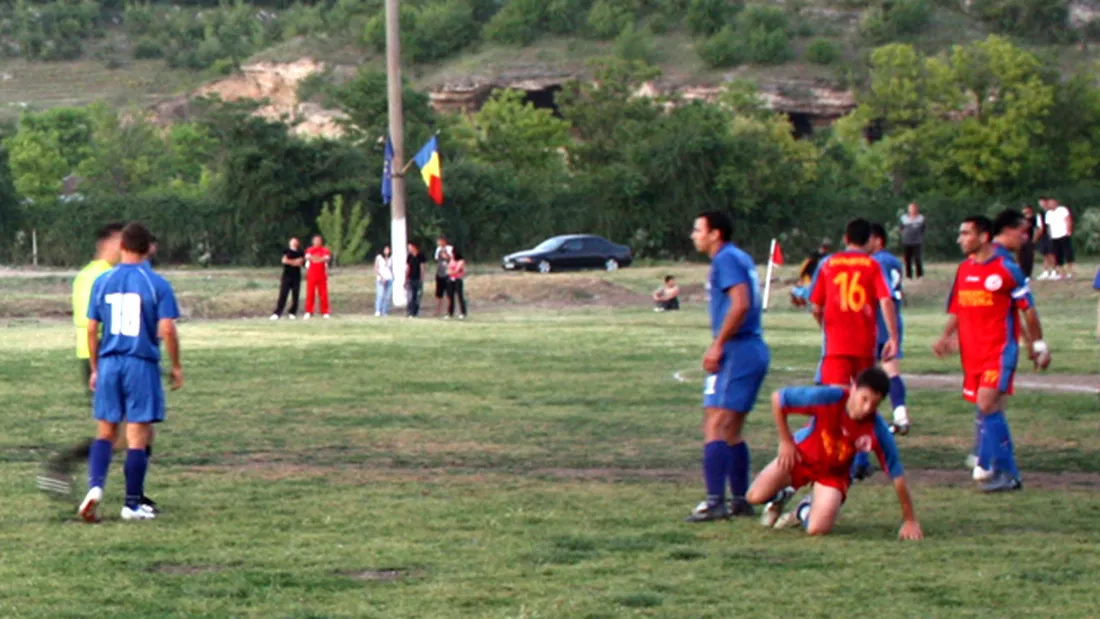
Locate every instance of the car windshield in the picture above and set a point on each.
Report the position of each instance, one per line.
(549, 244)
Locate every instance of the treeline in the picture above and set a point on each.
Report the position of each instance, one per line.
(981, 128)
(200, 34)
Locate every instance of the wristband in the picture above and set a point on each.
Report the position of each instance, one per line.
(1039, 347)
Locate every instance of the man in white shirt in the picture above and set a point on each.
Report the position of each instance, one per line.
(443, 251)
(1059, 223)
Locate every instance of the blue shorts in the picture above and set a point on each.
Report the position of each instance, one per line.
(128, 389)
(881, 343)
(738, 381)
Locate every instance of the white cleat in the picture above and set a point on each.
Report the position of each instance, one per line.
(325, 316)
(788, 520)
(89, 507)
(274, 316)
(141, 512)
(979, 474)
(307, 316)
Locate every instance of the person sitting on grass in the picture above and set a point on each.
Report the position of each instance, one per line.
(667, 297)
(843, 423)
(801, 292)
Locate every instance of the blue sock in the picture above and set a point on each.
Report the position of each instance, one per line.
(803, 512)
(999, 444)
(99, 460)
(137, 461)
(739, 470)
(717, 461)
(897, 391)
(861, 460)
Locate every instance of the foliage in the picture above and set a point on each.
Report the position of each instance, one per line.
(519, 22)
(1042, 19)
(49, 30)
(347, 239)
(634, 44)
(1087, 228)
(608, 18)
(509, 131)
(895, 19)
(822, 51)
(765, 32)
(723, 50)
(364, 100)
(708, 17)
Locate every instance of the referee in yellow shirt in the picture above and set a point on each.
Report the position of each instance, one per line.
(56, 478)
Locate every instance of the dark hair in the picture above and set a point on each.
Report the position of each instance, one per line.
(878, 231)
(136, 238)
(669, 278)
(108, 231)
(717, 220)
(414, 244)
(1008, 218)
(874, 379)
(456, 253)
(981, 224)
(1044, 197)
(441, 237)
(858, 231)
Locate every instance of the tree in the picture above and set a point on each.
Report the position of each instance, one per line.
(350, 247)
(127, 155)
(511, 132)
(363, 99)
(37, 166)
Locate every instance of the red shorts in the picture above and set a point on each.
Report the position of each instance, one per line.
(990, 378)
(841, 370)
(803, 474)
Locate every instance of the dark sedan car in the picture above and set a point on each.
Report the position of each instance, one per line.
(572, 252)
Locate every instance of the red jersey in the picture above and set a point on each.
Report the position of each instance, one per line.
(317, 268)
(985, 298)
(849, 286)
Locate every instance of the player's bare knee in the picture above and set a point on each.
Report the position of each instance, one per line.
(106, 431)
(818, 528)
(137, 435)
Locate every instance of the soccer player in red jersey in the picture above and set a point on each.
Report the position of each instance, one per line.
(843, 423)
(845, 290)
(317, 260)
(988, 293)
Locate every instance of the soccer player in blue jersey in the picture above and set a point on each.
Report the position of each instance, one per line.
(137, 309)
(736, 364)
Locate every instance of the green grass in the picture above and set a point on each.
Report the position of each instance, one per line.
(527, 463)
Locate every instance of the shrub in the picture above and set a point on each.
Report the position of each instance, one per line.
(766, 34)
(518, 23)
(896, 18)
(607, 18)
(634, 44)
(148, 48)
(722, 50)
(565, 17)
(444, 29)
(1044, 19)
(706, 17)
(822, 51)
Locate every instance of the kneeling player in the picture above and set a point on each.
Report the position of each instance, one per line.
(844, 422)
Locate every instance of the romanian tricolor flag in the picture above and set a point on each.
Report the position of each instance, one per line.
(428, 162)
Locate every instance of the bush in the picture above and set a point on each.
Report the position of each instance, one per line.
(723, 50)
(766, 33)
(148, 48)
(1042, 19)
(518, 23)
(822, 51)
(566, 17)
(896, 18)
(444, 29)
(638, 45)
(706, 17)
(666, 14)
(608, 18)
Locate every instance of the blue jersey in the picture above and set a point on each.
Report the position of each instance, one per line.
(1096, 282)
(733, 267)
(129, 300)
(891, 268)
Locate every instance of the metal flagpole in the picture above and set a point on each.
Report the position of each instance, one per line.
(398, 231)
(768, 274)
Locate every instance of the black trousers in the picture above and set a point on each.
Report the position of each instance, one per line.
(291, 287)
(1026, 258)
(457, 288)
(914, 259)
(416, 290)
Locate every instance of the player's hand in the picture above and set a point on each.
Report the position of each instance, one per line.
(889, 350)
(788, 457)
(1041, 360)
(943, 347)
(713, 359)
(910, 529)
(92, 380)
(177, 378)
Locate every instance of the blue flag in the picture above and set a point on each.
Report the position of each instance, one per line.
(387, 173)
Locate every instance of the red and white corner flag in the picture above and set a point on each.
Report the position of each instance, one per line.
(775, 258)
(777, 253)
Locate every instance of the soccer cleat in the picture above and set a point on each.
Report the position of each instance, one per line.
(462, 316)
(377, 314)
(774, 509)
(55, 483)
(325, 316)
(1002, 483)
(1045, 275)
(141, 512)
(740, 508)
(307, 316)
(274, 316)
(705, 512)
(899, 429)
(89, 507)
(149, 504)
(794, 517)
(979, 474)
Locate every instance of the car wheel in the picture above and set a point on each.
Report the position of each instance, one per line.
(544, 266)
(611, 264)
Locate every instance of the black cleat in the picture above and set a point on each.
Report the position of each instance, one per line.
(1001, 482)
(706, 512)
(149, 503)
(740, 508)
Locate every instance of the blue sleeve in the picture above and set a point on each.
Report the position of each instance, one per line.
(1096, 282)
(803, 399)
(729, 271)
(1021, 294)
(93, 301)
(166, 301)
(887, 450)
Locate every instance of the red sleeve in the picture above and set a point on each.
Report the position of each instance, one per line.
(882, 289)
(817, 292)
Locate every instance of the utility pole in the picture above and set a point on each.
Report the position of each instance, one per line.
(398, 233)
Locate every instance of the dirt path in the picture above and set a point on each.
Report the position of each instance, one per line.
(1056, 383)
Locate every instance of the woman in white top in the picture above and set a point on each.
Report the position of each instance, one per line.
(383, 288)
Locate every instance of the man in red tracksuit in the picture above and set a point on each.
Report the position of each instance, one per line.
(317, 258)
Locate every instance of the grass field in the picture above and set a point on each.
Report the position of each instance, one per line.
(534, 461)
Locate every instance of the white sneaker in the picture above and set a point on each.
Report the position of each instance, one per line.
(325, 316)
(377, 314)
(307, 316)
(292, 316)
(141, 512)
(980, 474)
(1054, 277)
(274, 316)
(89, 507)
(462, 316)
(1045, 275)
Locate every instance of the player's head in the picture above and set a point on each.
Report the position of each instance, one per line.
(414, 249)
(826, 245)
(712, 229)
(294, 242)
(878, 237)
(136, 240)
(871, 387)
(857, 233)
(1010, 229)
(670, 280)
(108, 242)
(1044, 202)
(441, 241)
(975, 232)
(386, 251)
(318, 240)
(1028, 211)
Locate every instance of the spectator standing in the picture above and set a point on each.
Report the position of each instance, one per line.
(442, 280)
(1096, 287)
(414, 278)
(291, 281)
(383, 275)
(318, 258)
(1044, 245)
(1026, 255)
(667, 297)
(912, 241)
(456, 273)
(1059, 222)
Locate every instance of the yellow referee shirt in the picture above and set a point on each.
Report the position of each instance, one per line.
(82, 294)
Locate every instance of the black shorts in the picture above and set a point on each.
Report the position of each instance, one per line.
(1063, 250)
(441, 285)
(1044, 246)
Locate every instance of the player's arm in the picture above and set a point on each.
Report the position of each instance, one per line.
(739, 309)
(910, 528)
(797, 401)
(885, 295)
(887, 451)
(817, 293)
(170, 336)
(93, 345)
(788, 451)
